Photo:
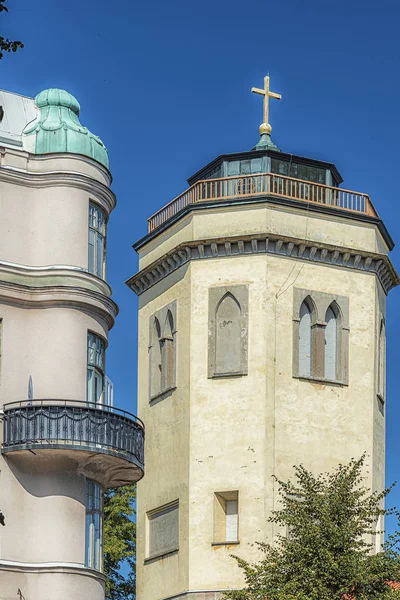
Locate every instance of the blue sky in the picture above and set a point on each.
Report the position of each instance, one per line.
(166, 85)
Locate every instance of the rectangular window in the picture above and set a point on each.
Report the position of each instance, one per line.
(94, 526)
(97, 241)
(226, 517)
(163, 530)
(95, 369)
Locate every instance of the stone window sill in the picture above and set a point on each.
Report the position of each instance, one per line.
(335, 382)
(162, 555)
(225, 543)
(227, 375)
(161, 394)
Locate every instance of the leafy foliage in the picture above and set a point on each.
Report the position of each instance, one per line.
(327, 552)
(7, 45)
(120, 543)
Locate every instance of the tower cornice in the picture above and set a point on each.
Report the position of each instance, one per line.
(276, 245)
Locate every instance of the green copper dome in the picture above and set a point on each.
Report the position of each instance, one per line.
(57, 127)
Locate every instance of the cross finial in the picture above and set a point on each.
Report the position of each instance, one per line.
(265, 127)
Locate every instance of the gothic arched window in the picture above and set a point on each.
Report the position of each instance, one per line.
(331, 343)
(162, 350)
(155, 358)
(228, 316)
(228, 342)
(320, 336)
(167, 353)
(382, 360)
(305, 344)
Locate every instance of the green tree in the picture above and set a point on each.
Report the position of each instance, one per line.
(325, 548)
(120, 543)
(7, 45)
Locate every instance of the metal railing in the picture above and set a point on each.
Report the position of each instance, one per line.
(269, 184)
(73, 424)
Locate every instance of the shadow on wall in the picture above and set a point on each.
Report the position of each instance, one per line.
(43, 476)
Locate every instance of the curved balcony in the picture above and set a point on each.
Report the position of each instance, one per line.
(104, 443)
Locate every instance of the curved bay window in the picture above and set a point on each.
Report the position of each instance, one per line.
(94, 526)
(95, 382)
(97, 241)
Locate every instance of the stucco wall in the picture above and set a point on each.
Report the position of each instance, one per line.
(241, 431)
(45, 314)
(167, 446)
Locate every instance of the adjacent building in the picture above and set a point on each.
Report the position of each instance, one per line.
(62, 440)
(262, 308)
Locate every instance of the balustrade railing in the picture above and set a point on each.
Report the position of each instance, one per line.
(73, 424)
(269, 184)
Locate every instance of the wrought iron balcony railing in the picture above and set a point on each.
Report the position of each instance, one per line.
(264, 184)
(38, 424)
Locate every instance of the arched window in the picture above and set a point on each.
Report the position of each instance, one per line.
(228, 313)
(167, 353)
(382, 360)
(305, 340)
(331, 344)
(155, 358)
(321, 336)
(228, 341)
(162, 350)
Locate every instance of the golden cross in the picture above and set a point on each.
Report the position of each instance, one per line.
(265, 127)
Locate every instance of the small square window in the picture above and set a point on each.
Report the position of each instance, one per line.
(226, 517)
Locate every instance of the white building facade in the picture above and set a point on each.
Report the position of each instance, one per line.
(62, 441)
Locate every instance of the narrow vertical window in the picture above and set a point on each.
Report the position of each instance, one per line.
(109, 393)
(94, 526)
(226, 517)
(162, 350)
(331, 343)
(155, 358)
(231, 529)
(167, 353)
(95, 369)
(305, 341)
(382, 361)
(228, 338)
(97, 241)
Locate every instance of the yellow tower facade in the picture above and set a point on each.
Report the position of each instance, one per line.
(262, 301)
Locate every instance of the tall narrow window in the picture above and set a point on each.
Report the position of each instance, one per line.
(162, 350)
(155, 358)
(305, 341)
(226, 517)
(97, 241)
(95, 369)
(109, 393)
(331, 344)
(228, 339)
(94, 526)
(167, 353)
(382, 361)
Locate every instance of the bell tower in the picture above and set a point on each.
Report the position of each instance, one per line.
(262, 300)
